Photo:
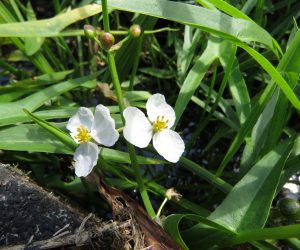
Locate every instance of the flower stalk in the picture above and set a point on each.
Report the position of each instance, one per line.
(160, 208)
(117, 86)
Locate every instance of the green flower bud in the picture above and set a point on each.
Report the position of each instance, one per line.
(135, 31)
(288, 207)
(89, 31)
(107, 40)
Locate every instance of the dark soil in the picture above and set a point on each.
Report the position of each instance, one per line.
(33, 218)
(29, 212)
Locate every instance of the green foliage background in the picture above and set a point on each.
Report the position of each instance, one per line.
(229, 67)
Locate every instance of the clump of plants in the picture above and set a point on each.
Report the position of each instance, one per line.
(183, 115)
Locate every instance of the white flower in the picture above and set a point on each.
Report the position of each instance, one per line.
(84, 128)
(139, 130)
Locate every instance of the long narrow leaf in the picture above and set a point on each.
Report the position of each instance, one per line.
(32, 138)
(283, 232)
(171, 225)
(11, 113)
(288, 63)
(61, 135)
(48, 27)
(212, 21)
(195, 76)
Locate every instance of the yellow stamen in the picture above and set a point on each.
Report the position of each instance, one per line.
(159, 124)
(83, 134)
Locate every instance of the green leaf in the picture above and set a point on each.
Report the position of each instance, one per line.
(13, 95)
(223, 103)
(289, 63)
(158, 73)
(283, 232)
(276, 76)
(229, 9)
(220, 116)
(253, 193)
(195, 76)
(171, 225)
(11, 113)
(55, 181)
(186, 51)
(205, 174)
(123, 157)
(291, 74)
(48, 27)
(32, 44)
(259, 132)
(206, 237)
(230, 28)
(216, 49)
(61, 135)
(32, 138)
(35, 82)
(269, 127)
(153, 187)
(212, 21)
(239, 92)
(134, 96)
(66, 112)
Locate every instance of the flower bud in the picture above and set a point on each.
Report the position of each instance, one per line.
(107, 40)
(135, 31)
(288, 207)
(89, 31)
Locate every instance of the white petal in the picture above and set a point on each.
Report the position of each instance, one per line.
(103, 129)
(138, 130)
(168, 144)
(157, 106)
(83, 117)
(85, 157)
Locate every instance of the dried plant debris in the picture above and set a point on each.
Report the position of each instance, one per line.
(142, 231)
(92, 235)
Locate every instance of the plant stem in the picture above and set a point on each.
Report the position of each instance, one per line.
(116, 82)
(117, 86)
(10, 68)
(161, 207)
(105, 16)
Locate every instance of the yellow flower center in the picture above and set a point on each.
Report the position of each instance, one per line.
(159, 124)
(83, 134)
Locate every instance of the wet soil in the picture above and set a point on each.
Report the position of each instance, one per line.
(28, 212)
